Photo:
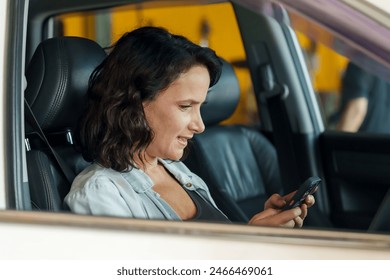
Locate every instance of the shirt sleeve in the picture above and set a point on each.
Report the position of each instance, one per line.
(356, 83)
(99, 197)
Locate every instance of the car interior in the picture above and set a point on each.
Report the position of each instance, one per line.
(242, 164)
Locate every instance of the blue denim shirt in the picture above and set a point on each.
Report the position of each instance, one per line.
(102, 191)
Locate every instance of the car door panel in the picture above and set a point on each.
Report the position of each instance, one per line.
(357, 170)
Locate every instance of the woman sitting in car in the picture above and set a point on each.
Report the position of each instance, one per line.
(143, 108)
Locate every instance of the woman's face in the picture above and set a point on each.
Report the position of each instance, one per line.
(174, 116)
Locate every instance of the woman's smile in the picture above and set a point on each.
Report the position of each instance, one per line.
(183, 140)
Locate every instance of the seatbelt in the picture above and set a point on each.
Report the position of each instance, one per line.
(275, 95)
(30, 118)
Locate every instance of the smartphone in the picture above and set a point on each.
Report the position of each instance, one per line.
(308, 187)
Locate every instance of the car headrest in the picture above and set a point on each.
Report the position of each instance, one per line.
(222, 99)
(57, 80)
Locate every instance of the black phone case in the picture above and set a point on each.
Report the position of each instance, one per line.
(306, 188)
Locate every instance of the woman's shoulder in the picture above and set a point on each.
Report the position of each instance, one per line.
(101, 191)
(91, 174)
(95, 177)
(94, 171)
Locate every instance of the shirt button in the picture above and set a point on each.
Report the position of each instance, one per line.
(188, 185)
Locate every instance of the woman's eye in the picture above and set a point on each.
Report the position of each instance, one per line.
(185, 107)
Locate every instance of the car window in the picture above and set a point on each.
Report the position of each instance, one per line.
(352, 96)
(215, 25)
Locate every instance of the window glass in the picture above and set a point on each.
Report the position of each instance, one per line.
(351, 97)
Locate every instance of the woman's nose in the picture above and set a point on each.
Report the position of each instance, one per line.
(197, 124)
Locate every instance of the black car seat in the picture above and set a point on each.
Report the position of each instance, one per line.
(57, 80)
(238, 163)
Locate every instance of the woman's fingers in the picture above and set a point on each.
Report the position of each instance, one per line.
(310, 200)
(275, 201)
(304, 211)
(298, 222)
(272, 217)
(288, 197)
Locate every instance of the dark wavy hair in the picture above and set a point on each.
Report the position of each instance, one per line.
(140, 65)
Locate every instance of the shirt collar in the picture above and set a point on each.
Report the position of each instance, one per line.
(184, 178)
(141, 182)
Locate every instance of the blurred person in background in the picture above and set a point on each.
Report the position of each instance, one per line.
(365, 102)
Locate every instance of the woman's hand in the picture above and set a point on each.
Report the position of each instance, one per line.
(278, 218)
(274, 216)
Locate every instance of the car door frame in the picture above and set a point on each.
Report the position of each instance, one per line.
(304, 147)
